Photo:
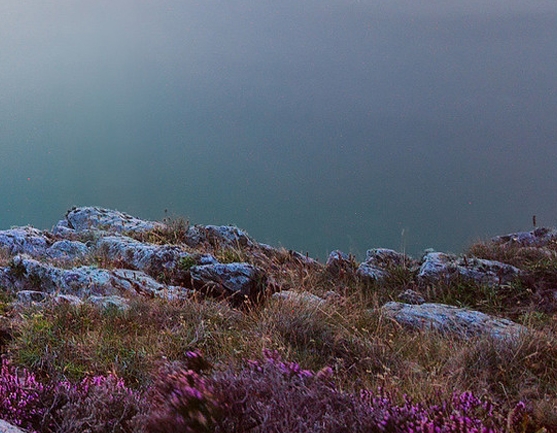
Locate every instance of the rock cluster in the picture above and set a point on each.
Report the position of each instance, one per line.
(107, 257)
(93, 255)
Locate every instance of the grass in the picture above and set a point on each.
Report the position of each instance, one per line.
(347, 333)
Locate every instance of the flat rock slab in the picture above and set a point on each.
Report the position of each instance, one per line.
(452, 320)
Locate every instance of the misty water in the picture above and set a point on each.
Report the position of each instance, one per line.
(313, 125)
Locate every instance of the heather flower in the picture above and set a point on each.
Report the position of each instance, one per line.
(183, 401)
(21, 397)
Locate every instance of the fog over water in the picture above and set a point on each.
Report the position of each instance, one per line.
(312, 124)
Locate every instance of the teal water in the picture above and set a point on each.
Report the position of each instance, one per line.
(314, 125)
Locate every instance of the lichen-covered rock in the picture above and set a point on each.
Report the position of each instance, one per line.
(238, 281)
(438, 267)
(384, 258)
(85, 281)
(371, 273)
(218, 237)
(67, 250)
(449, 319)
(129, 253)
(94, 218)
(108, 302)
(539, 237)
(138, 283)
(24, 240)
(380, 261)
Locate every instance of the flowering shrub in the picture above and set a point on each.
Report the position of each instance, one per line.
(21, 397)
(183, 400)
(97, 404)
(265, 396)
(278, 396)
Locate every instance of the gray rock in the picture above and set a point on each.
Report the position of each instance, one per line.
(236, 280)
(539, 237)
(67, 299)
(6, 427)
(107, 302)
(85, 281)
(449, 319)
(95, 218)
(24, 240)
(410, 296)
(299, 297)
(438, 267)
(340, 263)
(218, 237)
(67, 250)
(384, 258)
(130, 253)
(31, 296)
(30, 274)
(379, 261)
(371, 273)
(138, 283)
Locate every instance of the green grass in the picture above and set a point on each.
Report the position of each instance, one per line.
(348, 332)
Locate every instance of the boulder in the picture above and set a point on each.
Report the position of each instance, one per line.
(24, 240)
(218, 237)
(452, 320)
(437, 267)
(238, 281)
(339, 263)
(385, 258)
(85, 281)
(80, 219)
(379, 261)
(67, 250)
(539, 237)
(129, 253)
(371, 273)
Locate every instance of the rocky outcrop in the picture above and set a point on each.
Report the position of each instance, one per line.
(84, 219)
(441, 267)
(132, 254)
(539, 237)
(452, 320)
(218, 237)
(237, 281)
(30, 277)
(339, 263)
(379, 261)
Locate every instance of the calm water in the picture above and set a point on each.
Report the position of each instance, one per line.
(314, 125)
